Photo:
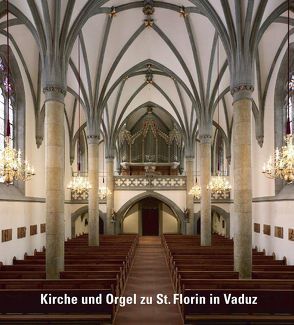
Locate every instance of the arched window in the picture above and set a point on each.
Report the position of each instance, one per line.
(285, 79)
(16, 110)
(7, 110)
(290, 84)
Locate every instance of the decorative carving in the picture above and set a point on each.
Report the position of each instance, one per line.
(148, 22)
(183, 12)
(187, 215)
(112, 12)
(205, 138)
(267, 230)
(39, 140)
(79, 196)
(150, 123)
(279, 232)
(93, 138)
(229, 158)
(54, 89)
(257, 227)
(220, 196)
(260, 140)
(236, 89)
(150, 181)
(113, 216)
(291, 234)
(148, 8)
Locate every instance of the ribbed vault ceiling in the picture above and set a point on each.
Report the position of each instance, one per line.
(178, 53)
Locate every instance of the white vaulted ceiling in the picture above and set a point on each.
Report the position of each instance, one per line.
(117, 50)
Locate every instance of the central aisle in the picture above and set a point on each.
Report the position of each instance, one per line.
(148, 277)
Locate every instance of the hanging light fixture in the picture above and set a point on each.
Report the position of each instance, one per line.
(281, 163)
(79, 184)
(12, 166)
(103, 191)
(219, 184)
(196, 189)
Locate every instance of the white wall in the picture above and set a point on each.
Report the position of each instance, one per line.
(131, 221)
(169, 221)
(121, 197)
(277, 213)
(178, 197)
(21, 214)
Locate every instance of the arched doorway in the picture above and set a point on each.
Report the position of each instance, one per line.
(220, 221)
(150, 214)
(150, 217)
(79, 222)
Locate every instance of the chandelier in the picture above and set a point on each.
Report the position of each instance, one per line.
(79, 185)
(12, 166)
(281, 164)
(195, 191)
(103, 192)
(219, 185)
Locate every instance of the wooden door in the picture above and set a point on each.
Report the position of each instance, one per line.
(150, 222)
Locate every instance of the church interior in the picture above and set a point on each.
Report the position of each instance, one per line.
(146, 147)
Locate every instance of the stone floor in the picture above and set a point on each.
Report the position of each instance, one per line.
(148, 277)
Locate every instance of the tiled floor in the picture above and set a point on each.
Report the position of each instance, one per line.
(149, 276)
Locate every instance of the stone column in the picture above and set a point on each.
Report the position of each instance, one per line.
(242, 184)
(54, 179)
(93, 198)
(189, 198)
(205, 201)
(110, 197)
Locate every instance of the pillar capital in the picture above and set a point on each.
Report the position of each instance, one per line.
(54, 93)
(242, 91)
(205, 138)
(93, 138)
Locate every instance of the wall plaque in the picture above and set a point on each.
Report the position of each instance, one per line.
(279, 232)
(257, 227)
(42, 228)
(21, 232)
(267, 230)
(6, 235)
(291, 234)
(33, 230)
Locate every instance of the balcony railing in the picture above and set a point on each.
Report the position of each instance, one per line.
(150, 182)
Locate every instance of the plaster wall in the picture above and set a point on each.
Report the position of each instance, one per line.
(121, 197)
(131, 221)
(276, 213)
(21, 214)
(178, 197)
(169, 222)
